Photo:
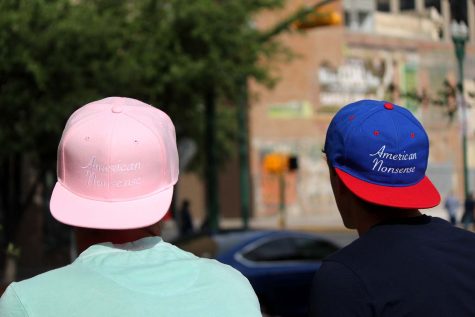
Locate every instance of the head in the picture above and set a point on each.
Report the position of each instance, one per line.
(186, 203)
(377, 154)
(117, 165)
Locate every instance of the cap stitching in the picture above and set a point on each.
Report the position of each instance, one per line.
(159, 138)
(109, 151)
(398, 145)
(66, 135)
(368, 115)
(404, 113)
(109, 200)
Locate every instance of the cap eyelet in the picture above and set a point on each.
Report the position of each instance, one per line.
(388, 106)
(117, 109)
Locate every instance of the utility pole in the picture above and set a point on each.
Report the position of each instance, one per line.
(459, 38)
(212, 189)
(244, 179)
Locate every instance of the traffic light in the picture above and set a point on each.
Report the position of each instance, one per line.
(278, 163)
(318, 18)
(275, 163)
(293, 163)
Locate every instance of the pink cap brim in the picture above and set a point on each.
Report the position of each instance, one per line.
(78, 211)
(421, 195)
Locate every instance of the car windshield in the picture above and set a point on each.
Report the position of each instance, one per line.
(290, 249)
(204, 245)
(228, 240)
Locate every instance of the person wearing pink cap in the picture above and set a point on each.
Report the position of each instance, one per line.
(404, 263)
(117, 166)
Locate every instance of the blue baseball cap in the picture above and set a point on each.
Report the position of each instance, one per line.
(380, 152)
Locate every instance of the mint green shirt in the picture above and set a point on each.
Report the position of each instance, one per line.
(148, 277)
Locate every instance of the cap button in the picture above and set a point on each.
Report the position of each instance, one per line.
(388, 106)
(117, 109)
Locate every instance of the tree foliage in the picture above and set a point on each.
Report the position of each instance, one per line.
(57, 55)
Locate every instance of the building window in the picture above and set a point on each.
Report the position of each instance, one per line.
(359, 20)
(432, 4)
(382, 5)
(347, 19)
(407, 5)
(365, 22)
(459, 10)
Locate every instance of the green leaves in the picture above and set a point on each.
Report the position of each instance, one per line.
(56, 55)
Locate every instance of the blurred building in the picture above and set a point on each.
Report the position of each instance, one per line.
(397, 50)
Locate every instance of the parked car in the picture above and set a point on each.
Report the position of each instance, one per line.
(280, 265)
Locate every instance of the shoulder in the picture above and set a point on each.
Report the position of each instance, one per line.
(333, 275)
(41, 281)
(443, 230)
(356, 250)
(10, 303)
(209, 268)
(229, 287)
(338, 291)
(209, 272)
(46, 280)
(33, 290)
(219, 281)
(19, 296)
(223, 272)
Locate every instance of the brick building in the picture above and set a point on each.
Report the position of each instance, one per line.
(396, 50)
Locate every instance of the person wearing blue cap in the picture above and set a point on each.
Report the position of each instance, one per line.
(404, 263)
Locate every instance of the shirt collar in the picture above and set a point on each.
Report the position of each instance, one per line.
(108, 247)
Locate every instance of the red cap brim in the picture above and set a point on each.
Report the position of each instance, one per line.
(422, 195)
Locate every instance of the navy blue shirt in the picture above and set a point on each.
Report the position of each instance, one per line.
(420, 266)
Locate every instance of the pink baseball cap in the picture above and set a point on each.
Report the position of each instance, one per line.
(117, 165)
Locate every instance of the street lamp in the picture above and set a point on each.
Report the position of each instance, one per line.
(459, 32)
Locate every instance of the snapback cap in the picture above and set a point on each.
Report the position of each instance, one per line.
(117, 165)
(380, 152)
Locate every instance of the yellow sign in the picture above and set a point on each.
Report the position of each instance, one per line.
(302, 109)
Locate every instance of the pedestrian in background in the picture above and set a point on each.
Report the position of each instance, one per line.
(469, 207)
(452, 205)
(186, 221)
(117, 166)
(404, 263)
